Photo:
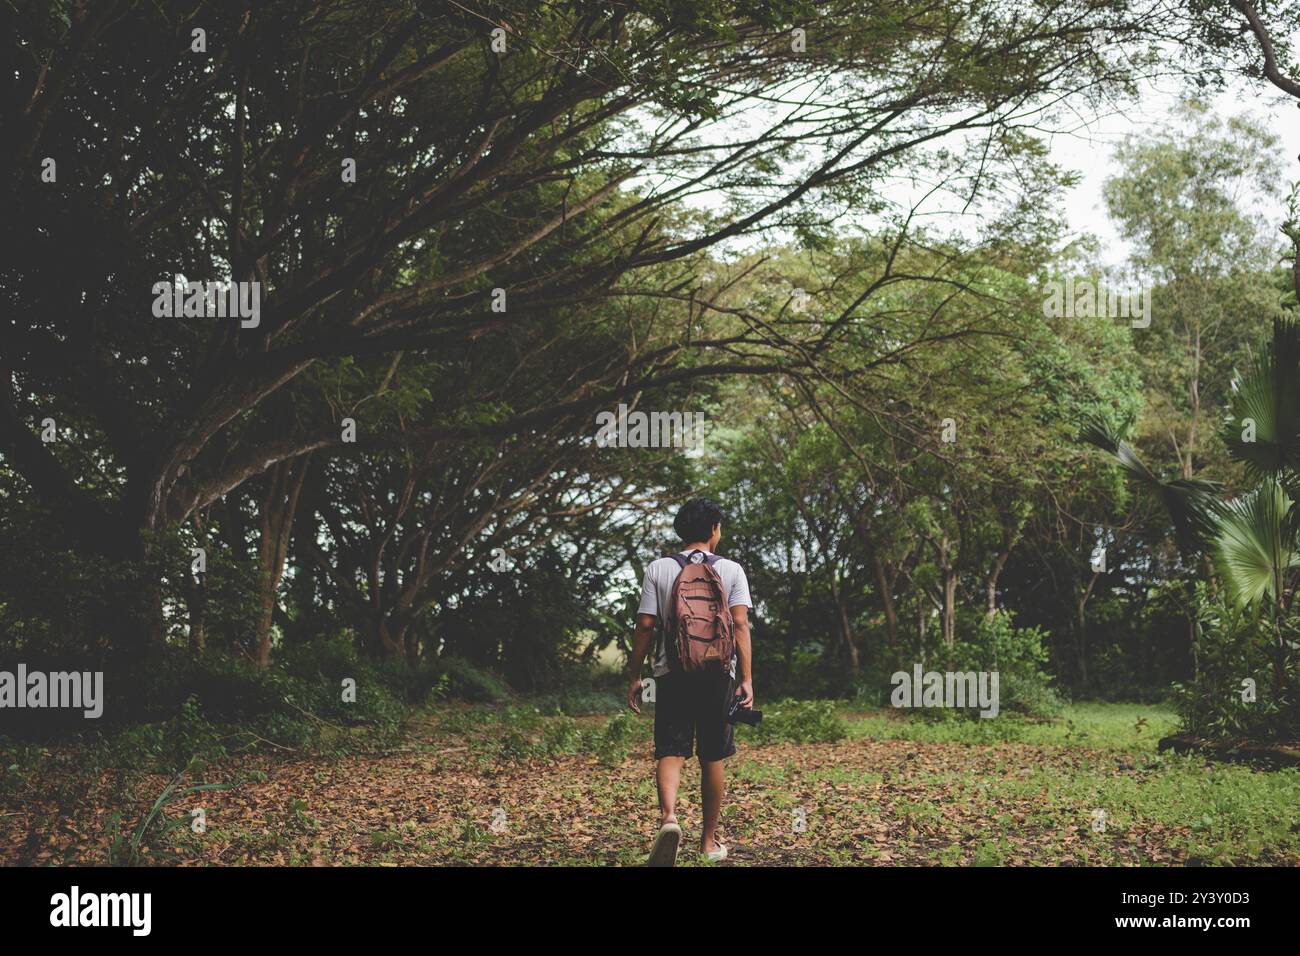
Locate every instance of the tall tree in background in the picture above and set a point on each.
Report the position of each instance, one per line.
(1192, 198)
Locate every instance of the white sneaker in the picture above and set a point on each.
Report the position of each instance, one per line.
(716, 856)
(664, 851)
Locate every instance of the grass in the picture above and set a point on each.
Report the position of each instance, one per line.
(1129, 727)
(491, 785)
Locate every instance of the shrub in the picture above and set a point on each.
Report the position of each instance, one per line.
(798, 721)
(578, 703)
(525, 733)
(612, 742)
(1019, 655)
(1237, 645)
(460, 679)
(811, 673)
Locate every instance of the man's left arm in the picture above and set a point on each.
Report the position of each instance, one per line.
(744, 654)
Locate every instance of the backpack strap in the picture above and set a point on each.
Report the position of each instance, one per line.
(685, 559)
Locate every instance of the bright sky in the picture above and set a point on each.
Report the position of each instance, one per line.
(1084, 143)
(1090, 151)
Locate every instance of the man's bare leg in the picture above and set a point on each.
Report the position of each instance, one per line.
(668, 775)
(712, 790)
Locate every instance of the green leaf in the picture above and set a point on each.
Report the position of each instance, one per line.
(1268, 399)
(1252, 550)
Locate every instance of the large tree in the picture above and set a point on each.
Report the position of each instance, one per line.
(381, 168)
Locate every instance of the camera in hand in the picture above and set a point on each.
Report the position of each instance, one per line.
(743, 715)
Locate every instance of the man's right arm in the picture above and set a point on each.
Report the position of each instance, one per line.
(641, 641)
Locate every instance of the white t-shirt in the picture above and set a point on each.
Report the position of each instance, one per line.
(657, 592)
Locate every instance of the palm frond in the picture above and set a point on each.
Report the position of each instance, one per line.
(1263, 426)
(1191, 503)
(1252, 549)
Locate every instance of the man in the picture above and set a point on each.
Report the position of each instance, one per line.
(691, 706)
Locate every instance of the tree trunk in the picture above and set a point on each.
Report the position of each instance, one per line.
(411, 640)
(198, 609)
(991, 585)
(846, 626)
(887, 601)
(949, 606)
(278, 508)
(1081, 643)
(1082, 636)
(196, 596)
(388, 645)
(150, 600)
(850, 644)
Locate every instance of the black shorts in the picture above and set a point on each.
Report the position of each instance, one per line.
(693, 707)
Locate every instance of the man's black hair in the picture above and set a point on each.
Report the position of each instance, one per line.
(695, 520)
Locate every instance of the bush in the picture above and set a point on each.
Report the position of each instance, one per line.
(526, 733)
(460, 679)
(613, 742)
(813, 672)
(1235, 646)
(798, 721)
(1019, 655)
(164, 711)
(188, 738)
(578, 703)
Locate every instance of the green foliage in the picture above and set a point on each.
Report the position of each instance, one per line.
(150, 839)
(17, 759)
(583, 701)
(1237, 645)
(1262, 428)
(613, 741)
(797, 721)
(526, 732)
(70, 603)
(460, 679)
(163, 745)
(1020, 656)
(1253, 551)
(176, 709)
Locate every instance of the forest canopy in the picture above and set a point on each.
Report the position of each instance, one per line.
(315, 313)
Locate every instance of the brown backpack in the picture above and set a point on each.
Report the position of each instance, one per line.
(700, 626)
